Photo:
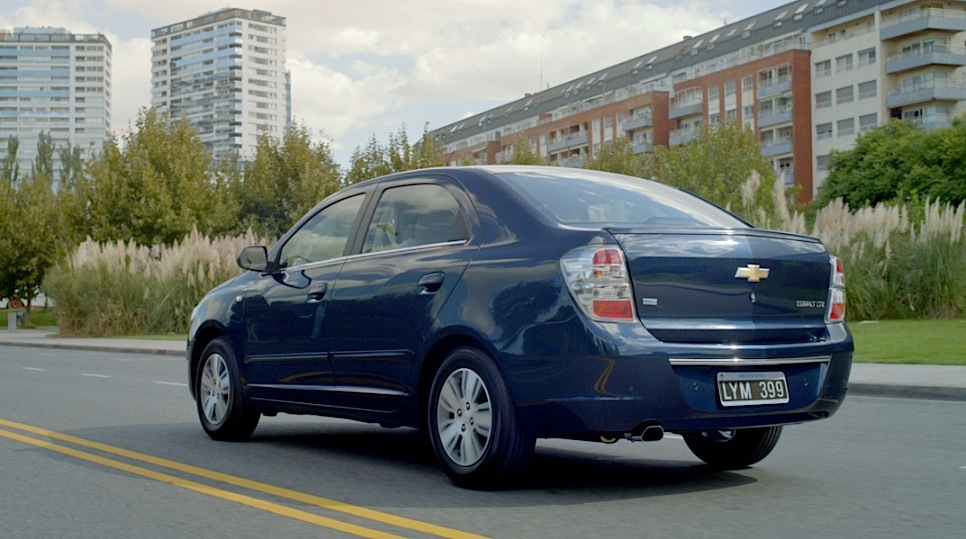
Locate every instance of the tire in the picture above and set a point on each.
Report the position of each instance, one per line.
(473, 425)
(222, 409)
(733, 449)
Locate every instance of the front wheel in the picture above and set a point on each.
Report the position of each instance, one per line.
(473, 425)
(731, 449)
(224, 414)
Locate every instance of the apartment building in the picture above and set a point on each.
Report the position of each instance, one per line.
(55, 82)
(807, 77)
(224, 72)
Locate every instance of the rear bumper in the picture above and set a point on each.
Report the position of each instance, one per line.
(675, 387)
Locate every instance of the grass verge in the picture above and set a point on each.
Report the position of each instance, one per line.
(918, 342)
(39, 316)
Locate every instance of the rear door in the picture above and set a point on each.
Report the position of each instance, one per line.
(387, 298)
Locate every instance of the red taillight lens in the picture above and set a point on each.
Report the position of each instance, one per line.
(836, 293)
(599, 282)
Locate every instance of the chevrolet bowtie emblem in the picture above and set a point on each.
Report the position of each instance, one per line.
(753, 272)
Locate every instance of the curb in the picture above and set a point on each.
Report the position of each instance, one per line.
(96, 348)
(941, 393)
(917, 392)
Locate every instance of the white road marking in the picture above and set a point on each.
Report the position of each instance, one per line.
(95, 375)
(179, 384)
(33, 369)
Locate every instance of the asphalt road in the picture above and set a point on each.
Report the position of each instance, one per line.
(108, 445)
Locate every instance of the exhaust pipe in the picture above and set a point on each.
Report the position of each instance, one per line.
(648, 431)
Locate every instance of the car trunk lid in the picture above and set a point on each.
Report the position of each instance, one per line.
(729, 285)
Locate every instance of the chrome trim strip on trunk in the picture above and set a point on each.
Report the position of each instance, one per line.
(739, 362)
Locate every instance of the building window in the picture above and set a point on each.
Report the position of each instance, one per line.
(747, 83)
(823, 69)
(821, 163)
(846, 127)
(867, 89)
(843, 63)
(730, 88)
(714, 119)
(823, 100)
(823, 131)
(866, 57)
(732, 114)
(868, 122)
(713, 93)
(844, 95)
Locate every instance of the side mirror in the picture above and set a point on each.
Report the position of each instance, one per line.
(253, 258)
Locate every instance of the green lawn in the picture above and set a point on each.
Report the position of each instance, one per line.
(164, 337)
(39, 317)
(927, 342)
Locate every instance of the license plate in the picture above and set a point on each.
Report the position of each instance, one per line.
(751, 388)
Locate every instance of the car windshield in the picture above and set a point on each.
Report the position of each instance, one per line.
(582, 197)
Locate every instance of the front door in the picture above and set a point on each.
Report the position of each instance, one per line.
(287, 351)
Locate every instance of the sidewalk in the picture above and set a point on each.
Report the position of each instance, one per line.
(872, 379)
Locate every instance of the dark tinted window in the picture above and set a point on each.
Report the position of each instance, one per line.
(590, 198)
(414, 215)
(323, 236)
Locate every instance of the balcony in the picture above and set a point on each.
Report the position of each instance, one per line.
(643, 147)
(637, 122)
(933, 121)
(936, 90)
(781, 115)
(934, 55)
(680, 136)
(926, 19)
(776, 147)
(772, 88)
(568, 142)
(688, 108)
(571, 162)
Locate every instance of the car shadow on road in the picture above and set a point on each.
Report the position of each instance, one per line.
(327, 457)
(589, 467)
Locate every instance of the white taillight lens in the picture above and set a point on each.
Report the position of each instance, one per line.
(836, 293)
(599, 282)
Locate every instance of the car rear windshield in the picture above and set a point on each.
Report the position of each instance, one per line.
(582, 197)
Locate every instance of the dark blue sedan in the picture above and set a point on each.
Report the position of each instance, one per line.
(492, 306)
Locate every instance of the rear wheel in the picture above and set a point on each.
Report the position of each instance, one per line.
(730, 449)
(473, 425)
(224, 414)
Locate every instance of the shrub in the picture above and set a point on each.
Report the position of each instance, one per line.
(120, 288)
(897, 267)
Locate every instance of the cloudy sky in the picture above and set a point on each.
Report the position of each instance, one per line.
(367, 67)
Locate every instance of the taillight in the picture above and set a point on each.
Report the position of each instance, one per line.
(836, 292)
(599, 282)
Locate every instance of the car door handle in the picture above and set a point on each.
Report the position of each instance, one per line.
(317, 293)
(431, 282)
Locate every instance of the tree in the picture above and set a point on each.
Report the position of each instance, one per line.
(618, 156)
(29, 225)
(157, 188)
(899, 162)
(722, 164)
(398, 156)
(522, 153)
(286, 179)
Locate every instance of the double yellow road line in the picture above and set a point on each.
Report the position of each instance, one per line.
(250, 501)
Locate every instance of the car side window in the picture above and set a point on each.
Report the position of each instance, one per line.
(322, 237)
(413, 215)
